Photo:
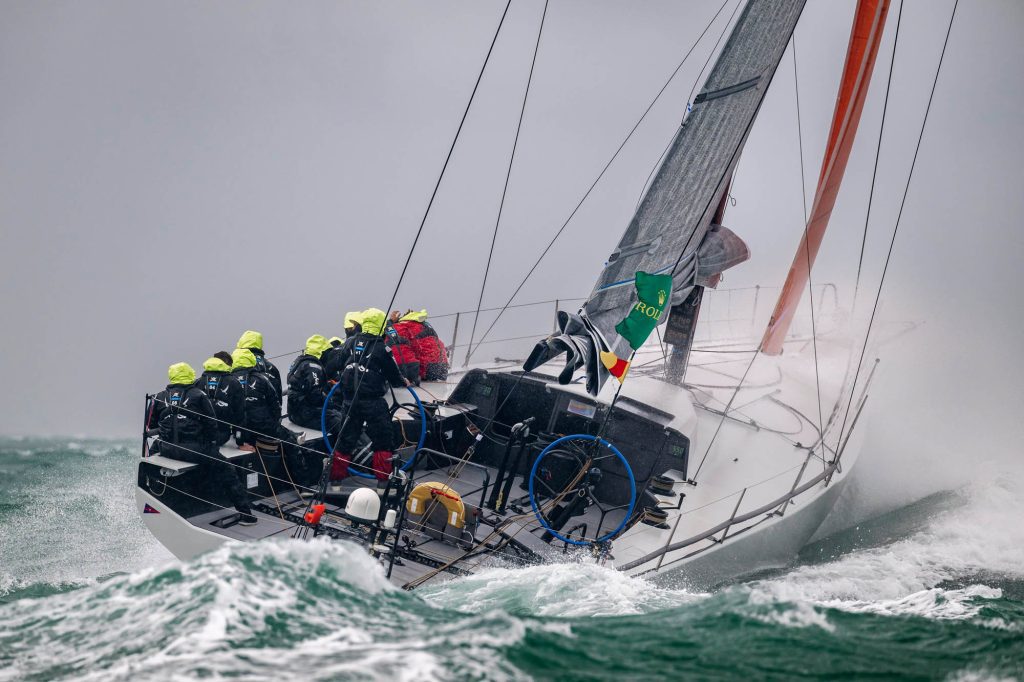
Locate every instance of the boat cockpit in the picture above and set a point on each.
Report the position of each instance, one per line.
(502, 466)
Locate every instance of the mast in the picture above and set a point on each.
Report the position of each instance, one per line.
(865, 38)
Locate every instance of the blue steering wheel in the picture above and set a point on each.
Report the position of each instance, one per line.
(632, 489)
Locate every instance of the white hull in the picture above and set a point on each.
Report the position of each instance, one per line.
(181, 538)
(773, 544)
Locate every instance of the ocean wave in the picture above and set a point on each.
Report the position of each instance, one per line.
(68, 516)
(567, 590)
(949, 592)
(321, 607)
(980, 538)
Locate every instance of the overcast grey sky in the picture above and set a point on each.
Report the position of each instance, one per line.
(175, 173)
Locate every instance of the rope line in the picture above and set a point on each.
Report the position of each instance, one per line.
(269, 519)
(760, 344)
(899, 215)
(221, 460)
(878, 152)
(365, 354)
(508, 176)
(448, 158)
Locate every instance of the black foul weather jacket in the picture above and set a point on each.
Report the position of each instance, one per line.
(307, 389)
(261, 411)
(331, 360)
(183, 414)
(268, 368)
(226, 396)
(368, 365)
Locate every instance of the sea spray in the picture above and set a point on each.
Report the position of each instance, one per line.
(67, 514)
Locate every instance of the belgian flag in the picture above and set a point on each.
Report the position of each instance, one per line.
(615, 365)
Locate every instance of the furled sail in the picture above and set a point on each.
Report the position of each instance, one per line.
(671, 231)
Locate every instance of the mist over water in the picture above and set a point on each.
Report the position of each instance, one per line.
(932, 590)
(67, 514)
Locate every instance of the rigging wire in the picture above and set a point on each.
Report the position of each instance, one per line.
(760, 344)
(878, 152)
(412, 249)
(899, 215)
(448, 158)
(600, 175)
(807, 254)
(508, 175)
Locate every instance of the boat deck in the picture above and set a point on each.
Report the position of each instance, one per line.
(277, 519)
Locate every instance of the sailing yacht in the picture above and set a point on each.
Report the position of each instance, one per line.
(689, 457)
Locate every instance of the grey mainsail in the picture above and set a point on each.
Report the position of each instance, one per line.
(671, 231)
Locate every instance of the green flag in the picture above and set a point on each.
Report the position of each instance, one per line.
(654, 292)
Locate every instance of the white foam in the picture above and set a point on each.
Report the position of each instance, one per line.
(567, 590)
(979, 676)
(799, 615)
(984, 536)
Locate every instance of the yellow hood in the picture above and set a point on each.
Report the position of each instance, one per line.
(335, 340)
(352, 319)
(372, 321)
(316, 345)
(415, 316)
(216, 365)
(181, 373)
(251, 339)
(242, 358)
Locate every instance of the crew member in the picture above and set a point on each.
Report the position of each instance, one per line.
(335, 347)
(261, 406)
(369, 367)
(214, 382)
(224, 356)
(400, 341)
(307, 384)
(185, 416)
(254, 341)
(427, 346)
(353, 324)
(332, 359)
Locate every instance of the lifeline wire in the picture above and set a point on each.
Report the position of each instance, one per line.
(598, 179)
(508, 175)
(903, 202)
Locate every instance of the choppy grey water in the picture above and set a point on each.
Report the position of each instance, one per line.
(931, 591)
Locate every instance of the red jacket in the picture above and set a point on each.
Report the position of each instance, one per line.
(401, 343)
(418, 342)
